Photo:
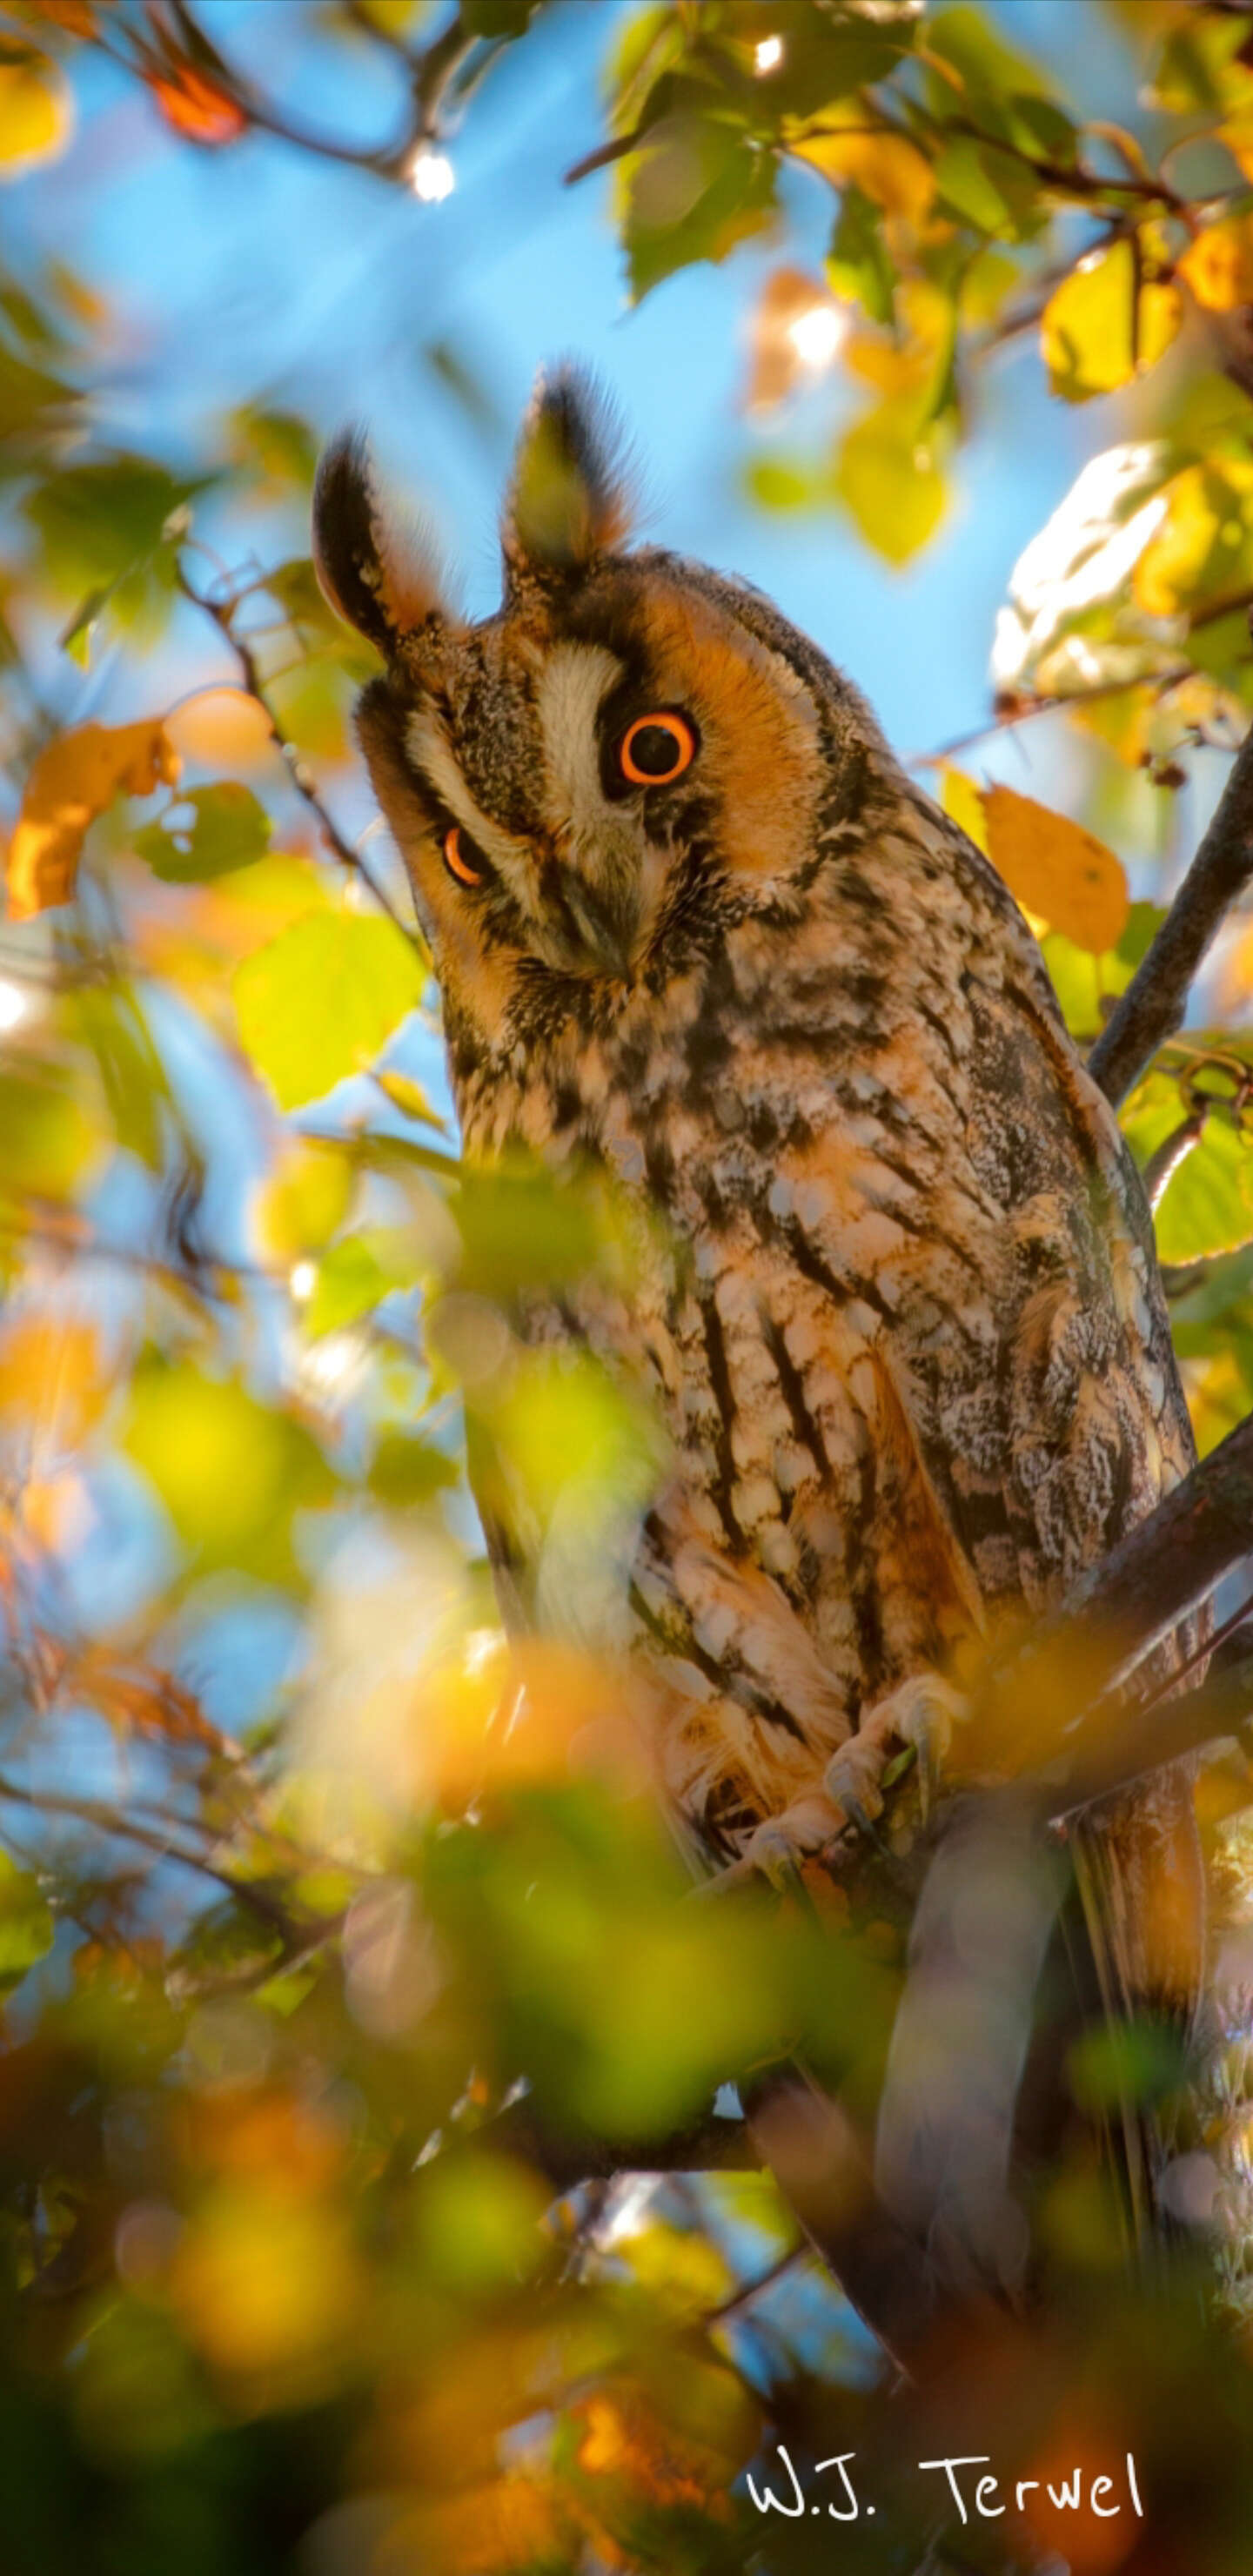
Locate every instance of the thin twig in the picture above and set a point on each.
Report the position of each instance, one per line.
(222, 615)
(1155, 1001)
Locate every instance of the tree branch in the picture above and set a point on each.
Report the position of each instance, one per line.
(1153, 1006)
(302, 781)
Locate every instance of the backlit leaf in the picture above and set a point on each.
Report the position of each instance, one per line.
(27, 1929)
(305, 1198)
(46, 1138)
(887, 476)
(893, 172)
(1057, 869)
(355, 1276)
(230, 1470)
(73, 779)
(858, 263)
(1206, 1207)
(1106, 323)
(696, 189)
(322, 999)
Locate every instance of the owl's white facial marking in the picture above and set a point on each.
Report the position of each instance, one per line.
(609, 855)
(428, 746)
(575, 681)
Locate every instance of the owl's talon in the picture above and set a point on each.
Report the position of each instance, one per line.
(917, 1718)
(861, 1822)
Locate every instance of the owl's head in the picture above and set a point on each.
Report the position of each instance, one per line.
(632, 750)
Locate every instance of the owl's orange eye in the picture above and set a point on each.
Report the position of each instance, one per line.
(657, 748)
(456, 862)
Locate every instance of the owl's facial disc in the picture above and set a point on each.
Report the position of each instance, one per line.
(547, 782)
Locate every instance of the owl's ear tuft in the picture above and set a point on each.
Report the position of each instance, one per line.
(569, 502)
(375, 568)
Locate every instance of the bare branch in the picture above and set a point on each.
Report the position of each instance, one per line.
(1153, 1006)
(301, 779)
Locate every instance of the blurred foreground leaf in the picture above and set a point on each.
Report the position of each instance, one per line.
(73, 779)
(321, 1000)
(227, 829)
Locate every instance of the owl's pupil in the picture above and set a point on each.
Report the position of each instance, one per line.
(654, 750)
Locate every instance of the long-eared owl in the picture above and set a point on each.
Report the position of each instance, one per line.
(692, 921)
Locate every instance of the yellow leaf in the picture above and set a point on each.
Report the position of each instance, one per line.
(36, 113)
(888, 168)
(72, 781)
(888, 477)
(305, 1197)
(265, 2287)
(1168, 572)
(1057, 870)
(1106, 323)
(961, 799)
(1218, 265)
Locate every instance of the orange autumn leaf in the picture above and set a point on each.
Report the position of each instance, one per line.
(197, 108)
(143, 1702)
(1218, 265)
(53, 1381)
(1057, 870)
(74, 779)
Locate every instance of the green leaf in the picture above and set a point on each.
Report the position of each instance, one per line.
(112, 529)
(27, 1929)
(321, 1000)
(33, 404)
(1128, 2062)
(131, 1075)
(494, 19)
(986, 187)
(825, 58)
(355, 1276)
(227, 829)
(229, 1470)
(407, 1471)
(1207, 1205)
(968, 39)
(696, 189)
(858, 262)
(1082, 981)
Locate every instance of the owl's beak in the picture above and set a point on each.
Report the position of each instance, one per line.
(605, 921)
